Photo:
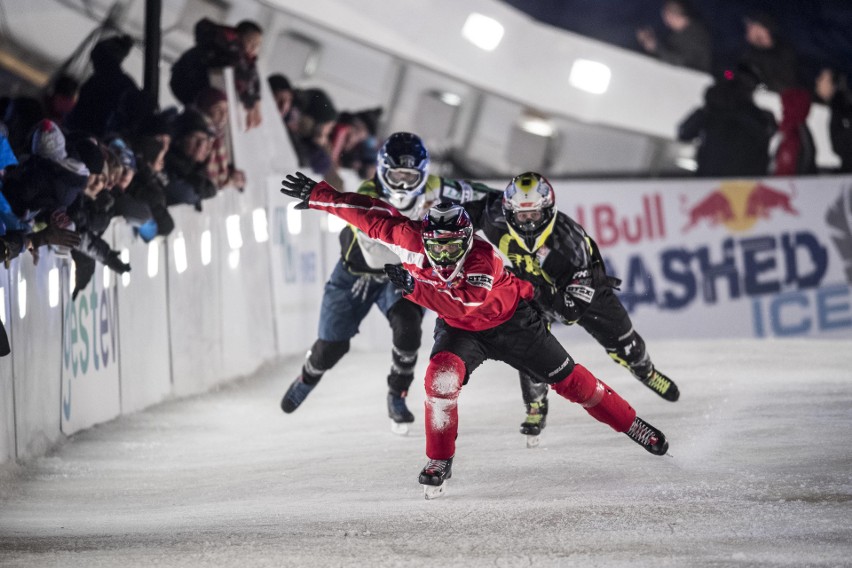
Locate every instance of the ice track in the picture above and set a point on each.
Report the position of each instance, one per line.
(761, 474)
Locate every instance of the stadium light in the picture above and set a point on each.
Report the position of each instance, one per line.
(482, 31)
(590, 76)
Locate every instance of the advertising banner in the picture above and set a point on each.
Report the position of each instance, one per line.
(90, 373)
(725, 258)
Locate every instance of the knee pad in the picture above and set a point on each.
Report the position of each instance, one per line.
(323, 356)
(444, 376)
(581, 386)
(630, 353)
(406, 320)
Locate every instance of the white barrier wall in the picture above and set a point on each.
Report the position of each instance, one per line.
(698, 259)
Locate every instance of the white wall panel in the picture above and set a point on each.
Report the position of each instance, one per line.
(38, 356)
(7, 385)
(143, 319)
(195, 305)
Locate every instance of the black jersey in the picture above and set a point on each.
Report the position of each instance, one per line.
(566, 271)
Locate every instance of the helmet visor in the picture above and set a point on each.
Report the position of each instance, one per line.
(444, 251)
(529, 220)
(403, 178)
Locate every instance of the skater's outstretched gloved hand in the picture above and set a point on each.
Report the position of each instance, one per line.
(400, 278)
(298, 185)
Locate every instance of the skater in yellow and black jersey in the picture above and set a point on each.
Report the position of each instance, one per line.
(554, 253)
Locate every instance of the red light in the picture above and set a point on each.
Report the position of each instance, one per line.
(729, 75)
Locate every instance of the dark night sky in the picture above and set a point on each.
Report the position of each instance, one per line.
(819, 30)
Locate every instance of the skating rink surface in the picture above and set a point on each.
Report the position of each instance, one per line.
(759, 473)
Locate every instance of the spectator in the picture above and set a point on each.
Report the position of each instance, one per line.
(796, 153)
(102, 96)
(836, 94)
(774, 60)
(733, 132)
(21, 117)
(213, 104)
(61, 98)
(149, 183)
(316, 118)
(48, 180)
(135, 211)
(283, 93)
(216, 47)
(688, 41)
(186, 161)
(351, 140)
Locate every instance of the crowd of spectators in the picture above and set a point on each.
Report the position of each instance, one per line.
(734, 136)
(90, 150)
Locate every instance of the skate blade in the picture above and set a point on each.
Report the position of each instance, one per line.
(399, 428)
(533, 441)
(433, 491)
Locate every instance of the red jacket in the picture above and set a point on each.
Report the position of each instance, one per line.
(482, 296)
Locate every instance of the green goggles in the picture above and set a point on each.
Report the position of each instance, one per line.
(445, 249)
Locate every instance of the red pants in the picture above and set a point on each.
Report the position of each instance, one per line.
(444, 378)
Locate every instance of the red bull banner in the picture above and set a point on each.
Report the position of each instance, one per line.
(725, 258)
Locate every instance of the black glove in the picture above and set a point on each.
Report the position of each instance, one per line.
(299, 186)
(114, 262)
(400, 278)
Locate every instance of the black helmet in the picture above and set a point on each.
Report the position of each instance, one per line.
(447, 237)
(403, 167)
(529, 205)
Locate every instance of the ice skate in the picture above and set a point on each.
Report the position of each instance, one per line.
(434, 476)
(648, 437)
(399, 414)
(661, 384)
(535, 422)
(295, 395)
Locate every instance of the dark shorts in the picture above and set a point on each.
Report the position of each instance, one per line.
(523, 342)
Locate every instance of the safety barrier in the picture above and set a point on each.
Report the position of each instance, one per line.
(239, 284)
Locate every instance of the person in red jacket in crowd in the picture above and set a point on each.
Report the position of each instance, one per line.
(796, 153)
(483, 313)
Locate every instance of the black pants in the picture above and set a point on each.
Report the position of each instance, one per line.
(524, 342)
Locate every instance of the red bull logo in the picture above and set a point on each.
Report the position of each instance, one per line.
(738, 205)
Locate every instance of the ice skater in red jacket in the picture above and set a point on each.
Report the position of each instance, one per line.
(483, 313)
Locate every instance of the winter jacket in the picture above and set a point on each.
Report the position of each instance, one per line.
(40, 186)
(733, 133)
(483, 295)
(150, 188)
(216, 47)
(840, 128)
(188, 181)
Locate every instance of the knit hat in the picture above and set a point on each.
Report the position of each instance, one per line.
(208, 97)
(48, 141)
(317, 104)
(123, 152)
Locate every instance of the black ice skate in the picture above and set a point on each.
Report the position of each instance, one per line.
(399, 413)
(661, 384)
(648, 437)
(535, 422)
(295, 395)
(434, 475)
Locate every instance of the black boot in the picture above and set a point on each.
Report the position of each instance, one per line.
(648, 437)
(536, 418)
